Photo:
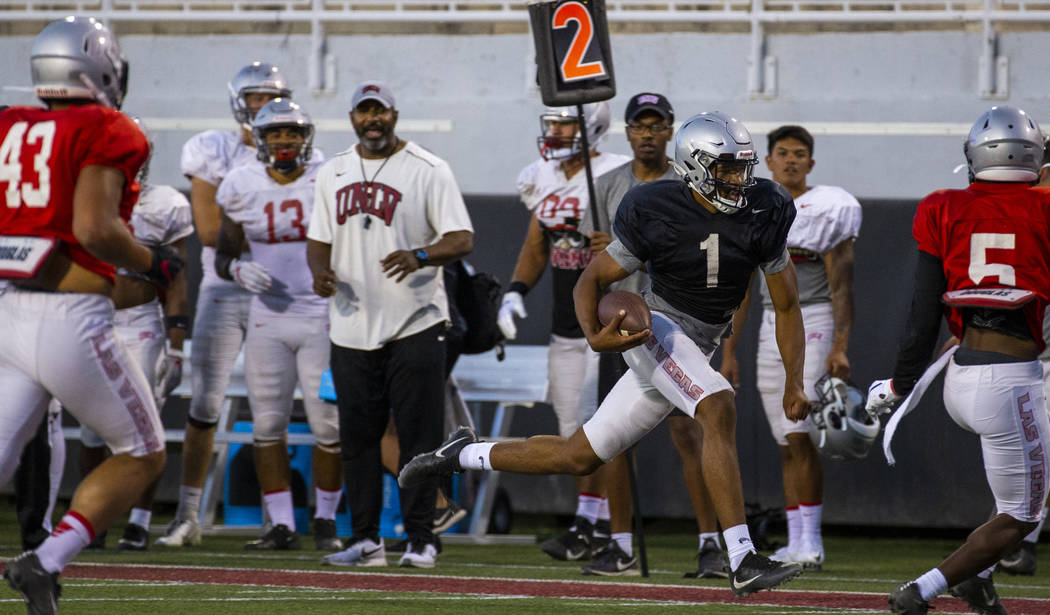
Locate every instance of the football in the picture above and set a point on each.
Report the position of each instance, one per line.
(638, 317)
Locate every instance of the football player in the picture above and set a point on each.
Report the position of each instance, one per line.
(821, 246)
(221, 317)
(700, 236)
(68, 172)
(554, 190)
(269, 205)
(161, 217)
(990, 235)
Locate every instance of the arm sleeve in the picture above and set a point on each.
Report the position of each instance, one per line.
(920, 333)
(320, 228)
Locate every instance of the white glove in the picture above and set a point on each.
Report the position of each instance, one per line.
(882, 399)
(250, 275)
(512, 306)
(168, 374)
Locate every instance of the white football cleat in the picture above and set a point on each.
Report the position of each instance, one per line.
(811, 558)
(181, 532)
(784, 554)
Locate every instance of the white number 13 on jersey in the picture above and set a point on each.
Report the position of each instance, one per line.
(19, 192)
(980, 268)
(710, 245)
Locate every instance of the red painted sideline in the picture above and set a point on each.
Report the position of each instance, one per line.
(511, 587)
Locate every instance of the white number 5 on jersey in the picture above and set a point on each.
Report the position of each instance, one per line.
(980, 268)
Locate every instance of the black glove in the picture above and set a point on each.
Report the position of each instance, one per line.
(165, 266)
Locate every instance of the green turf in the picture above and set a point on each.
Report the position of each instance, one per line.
(866, 564)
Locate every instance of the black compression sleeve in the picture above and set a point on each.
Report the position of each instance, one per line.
(920, 334)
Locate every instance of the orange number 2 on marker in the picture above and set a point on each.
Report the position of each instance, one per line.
(572, 68)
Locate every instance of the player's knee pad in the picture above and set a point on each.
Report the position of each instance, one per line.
(89, 438)
(268, 426)
(199, 424)
(332, 448)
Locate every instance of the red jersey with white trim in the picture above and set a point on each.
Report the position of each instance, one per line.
(990, 235)
(41, 155)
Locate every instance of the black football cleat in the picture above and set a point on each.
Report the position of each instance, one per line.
(279, 538)
(39, 588)
(906, 600)
(711, 562)
(980, 595)
(612, 561)
(135, 538)
(757, 572)
(573, 544)
(1022, 561)
(442, 461)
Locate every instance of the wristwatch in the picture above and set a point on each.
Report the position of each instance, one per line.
(421, 257)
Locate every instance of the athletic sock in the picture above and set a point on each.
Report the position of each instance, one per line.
(587, 505)
(279, 506)
(189, 503)
(738, 542)
(140, 517)
(476, 456)
(327, 503)
(931, 584)
(624, 539)
(794, 523)
(73, 533)
(713, 536)
(810, 513)
(603, 510)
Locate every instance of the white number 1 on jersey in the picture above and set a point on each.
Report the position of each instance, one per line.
(11, 164)
(710, 245)
(980, 268)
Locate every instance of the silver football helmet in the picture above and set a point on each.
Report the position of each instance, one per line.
(78, 58)
(597, 116)
(714, 154)
(277, 113)
(1004, 145)
(839, 426)
(256, 77)
(144, 171)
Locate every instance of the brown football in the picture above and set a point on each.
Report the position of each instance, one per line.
(638, 317)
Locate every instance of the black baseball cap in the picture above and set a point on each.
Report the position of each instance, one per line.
(648, 101)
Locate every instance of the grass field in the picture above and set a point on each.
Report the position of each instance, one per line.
(220, 577)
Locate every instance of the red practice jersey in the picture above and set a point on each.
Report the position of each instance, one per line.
(41, 155)
(990, 235)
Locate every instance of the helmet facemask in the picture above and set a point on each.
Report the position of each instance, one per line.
(840, 427)
(555, 147)
(721, 181)
(283, 155)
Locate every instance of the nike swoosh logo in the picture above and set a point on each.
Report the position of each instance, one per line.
(745, 583)
(570, 554)
(371, 553)
(621, 566)
(440, 452)
(758, 211)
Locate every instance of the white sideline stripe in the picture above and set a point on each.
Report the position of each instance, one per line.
(195, 124)
(442, 125)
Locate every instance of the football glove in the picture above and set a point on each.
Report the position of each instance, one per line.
(168, 374)
(250, 275)
(882, 399)
(512, 306)
(165, 266)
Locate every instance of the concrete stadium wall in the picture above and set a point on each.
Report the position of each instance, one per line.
(479, 82)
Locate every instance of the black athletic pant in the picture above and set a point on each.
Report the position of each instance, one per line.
(33, 487)
(406, 376)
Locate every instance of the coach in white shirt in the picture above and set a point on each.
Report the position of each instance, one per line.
(387, 215)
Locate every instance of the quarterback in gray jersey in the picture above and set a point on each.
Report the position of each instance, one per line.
(695, 235)
(821, 245)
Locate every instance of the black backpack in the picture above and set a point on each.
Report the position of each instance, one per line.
(478, 298)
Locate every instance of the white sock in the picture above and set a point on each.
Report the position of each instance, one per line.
(327, 502)
(73, 533)
(140, 517)
(476, 456)
(603, 510)
(931, 584)
(811, 525)
(587, 505)
(279, 506)
(624, 540)
(1034, 535)
(794, 523)
(713, 536)
(987, 572)
(738, 542)
(189, 502)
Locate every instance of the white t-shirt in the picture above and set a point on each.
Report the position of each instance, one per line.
(274, 218)
(414, 201)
